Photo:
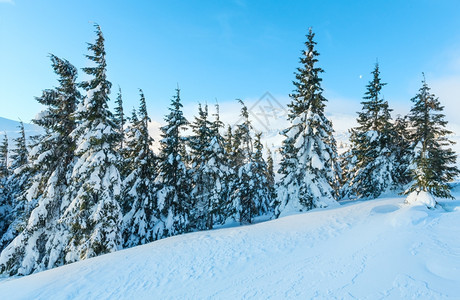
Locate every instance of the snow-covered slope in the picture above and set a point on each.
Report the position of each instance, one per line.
(366, 250)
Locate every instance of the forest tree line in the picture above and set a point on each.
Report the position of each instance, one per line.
(91, 183)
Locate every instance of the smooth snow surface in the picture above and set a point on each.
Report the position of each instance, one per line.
(366, 250)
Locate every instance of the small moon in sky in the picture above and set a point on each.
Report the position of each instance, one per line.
(360, 76)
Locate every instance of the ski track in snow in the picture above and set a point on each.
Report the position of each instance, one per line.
(377, 249)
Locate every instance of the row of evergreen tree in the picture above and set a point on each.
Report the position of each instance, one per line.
(91, 184)
(412, 153)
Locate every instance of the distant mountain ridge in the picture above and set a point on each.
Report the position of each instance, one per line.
(11, 128)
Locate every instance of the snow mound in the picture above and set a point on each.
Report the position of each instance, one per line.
(421, 198)
(361, 250)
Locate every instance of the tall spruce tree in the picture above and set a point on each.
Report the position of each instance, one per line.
(263, 182)
(209, 170)
(16, 183)
(5, 201)
(347, 160)
(230, 145)
(433, 160)
(93, 215)
(39, 247)
(220, 172)
(140, 210)
(201, 174)
(271, 175)
(4, 169)
(242, 182)
(127, 163)
(309, 156)
(173, 182)
(371, 145)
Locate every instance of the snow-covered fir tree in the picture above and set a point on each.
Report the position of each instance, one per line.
(4, 169)
(373, 164)
(139, 194)
(401, 152)
(346, 160)
(20, 152)
(251, 183)
(230, 146)
(200, 171)
(271, 176)
(16, 183)
(434, 161)
(39, 246)
(228, 139)
(308, 167)
(209, 170)
(242, 180)
(263, 181)
(5, 201)
(173, 183)
(120, 121)
(220, 171)
(93, 215)
(127, 163)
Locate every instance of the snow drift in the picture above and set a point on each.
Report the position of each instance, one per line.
(367, 249)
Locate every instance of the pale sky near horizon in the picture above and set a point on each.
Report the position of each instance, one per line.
(232, 49)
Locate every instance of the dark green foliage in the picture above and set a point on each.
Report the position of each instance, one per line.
(251, 183)
(5, 201)
(434, 161)
(96, 104)
(173, 181)
(221, 172)
(138, 198)
(242, 185)
(4, 169)
(262, 180)
(200, 172)
(15, 184)
(20, 152)
(373, 165)
(54, 152)
(229, 141)
(210, 172)
(271, 177)
(120, 118)
(401, 152)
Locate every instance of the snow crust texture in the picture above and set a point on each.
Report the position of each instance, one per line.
(379, 249)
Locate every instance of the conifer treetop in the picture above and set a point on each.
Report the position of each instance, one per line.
(61, 101)
(375, 114)
(119, 115)
(98, 88)
(20, 152)
(308, 83)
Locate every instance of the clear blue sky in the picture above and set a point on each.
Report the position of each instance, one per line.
(226, 49)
